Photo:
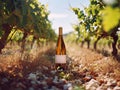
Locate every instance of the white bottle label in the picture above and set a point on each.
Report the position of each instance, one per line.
(60, 59)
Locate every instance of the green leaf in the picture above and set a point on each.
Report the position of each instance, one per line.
(78, 88)
(111, 18)
(75, 10)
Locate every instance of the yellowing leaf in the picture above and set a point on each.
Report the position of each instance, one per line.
(111, 17)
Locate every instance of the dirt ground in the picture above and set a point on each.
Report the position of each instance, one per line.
(84, 65)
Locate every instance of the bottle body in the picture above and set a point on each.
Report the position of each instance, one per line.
(60, 56)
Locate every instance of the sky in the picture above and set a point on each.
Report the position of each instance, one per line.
(61, 15)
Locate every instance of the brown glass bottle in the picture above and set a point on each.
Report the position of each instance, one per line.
(60, 55)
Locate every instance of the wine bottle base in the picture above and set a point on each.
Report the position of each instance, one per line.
(60, 67)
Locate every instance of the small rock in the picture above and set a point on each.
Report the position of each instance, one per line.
(45, 68)
(81, 66)
(118, 83)
(87, 78)
(4, 80)
(38, 82)
(31, 88)
(32, 76)
(21, 85)
(45, 87)
(111, 82)
(70, 88)
(33, 82)
(53, 72)
(109, 88)
(45, 77)
(92, 85)
(67, 86)
(55, 79)
(102, 87)
(62, 81)
(44, 83)
(53, 88)
(38, 73)
(78, 82)
(116, 88)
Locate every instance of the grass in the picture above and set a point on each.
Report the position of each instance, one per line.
(12, 63)
(95, 61)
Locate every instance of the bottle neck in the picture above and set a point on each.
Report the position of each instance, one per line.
(60, 31)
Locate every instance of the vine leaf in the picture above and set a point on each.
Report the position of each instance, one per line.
(111, 18)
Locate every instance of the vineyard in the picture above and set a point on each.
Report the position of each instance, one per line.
(28, 42)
